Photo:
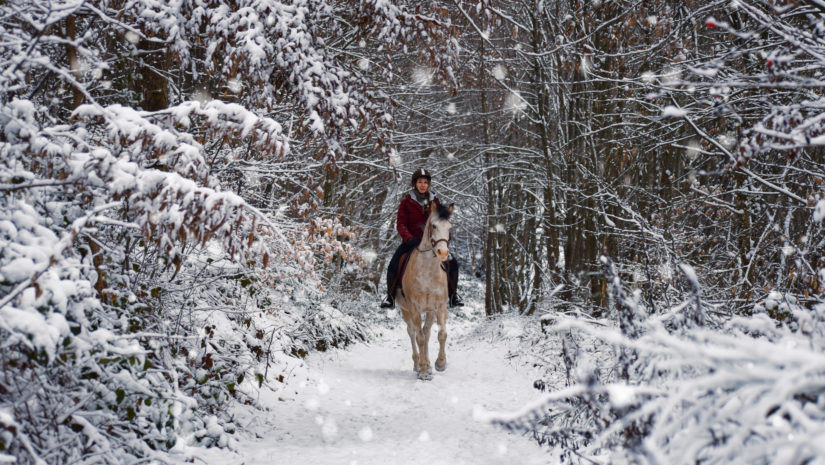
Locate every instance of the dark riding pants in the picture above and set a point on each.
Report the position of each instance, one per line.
(392, 268)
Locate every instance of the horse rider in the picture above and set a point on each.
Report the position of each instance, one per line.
(412, 216)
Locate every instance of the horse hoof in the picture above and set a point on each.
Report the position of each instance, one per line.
(441, 366)
(425, 375)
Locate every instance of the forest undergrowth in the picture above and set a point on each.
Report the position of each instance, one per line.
(676, 387)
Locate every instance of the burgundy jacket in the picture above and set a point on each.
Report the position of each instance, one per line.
(411, 218)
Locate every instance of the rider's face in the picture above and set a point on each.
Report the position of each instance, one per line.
(422, 184)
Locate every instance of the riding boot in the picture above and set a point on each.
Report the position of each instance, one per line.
(452, 283)
(388, 302)
(392, 271)
(455, 301)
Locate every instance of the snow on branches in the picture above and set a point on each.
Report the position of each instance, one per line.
(753, 81)
(268, 53)
(77, 199)
(391, 23)
(119, 210)
(749, 390)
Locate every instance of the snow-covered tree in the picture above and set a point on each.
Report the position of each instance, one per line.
(156, 207)
(693, 132)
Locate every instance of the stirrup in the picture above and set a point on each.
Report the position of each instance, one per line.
(388, 302)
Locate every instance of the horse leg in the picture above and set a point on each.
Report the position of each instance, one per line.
(411, 330)
(426, 372)
(441, 361)
(428, 324)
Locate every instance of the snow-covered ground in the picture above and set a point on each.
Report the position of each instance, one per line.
(363, 405)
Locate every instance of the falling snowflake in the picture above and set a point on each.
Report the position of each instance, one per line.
(692, 150)
(819, 211)
(422, 76)
(312, 404)
(727, 140)
(323, 388)
(365, 434)
(369, 256)
(234, 86)
(671, 111)
(499, 72)
(202, 96)
(395, 159)
(329, 429)
(585, 65)
(671, 76)
(514, 103)
(648, 77)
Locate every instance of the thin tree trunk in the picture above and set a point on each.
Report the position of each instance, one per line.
(490, 302)
(153, 85)
(71, 55)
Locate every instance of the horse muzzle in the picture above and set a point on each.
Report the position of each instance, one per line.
(442, 253)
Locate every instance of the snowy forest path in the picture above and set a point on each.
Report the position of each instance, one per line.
(363, 405)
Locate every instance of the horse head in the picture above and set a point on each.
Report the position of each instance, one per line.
(438, 230)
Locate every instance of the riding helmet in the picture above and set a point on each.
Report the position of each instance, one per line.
(421, 173)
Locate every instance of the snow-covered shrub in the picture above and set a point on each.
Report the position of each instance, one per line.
(746, 390)
(140, 278)
(87, 355)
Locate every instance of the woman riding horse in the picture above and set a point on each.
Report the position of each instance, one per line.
(412, 216)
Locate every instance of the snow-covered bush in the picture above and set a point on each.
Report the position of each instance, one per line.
(140, 278)
(744, 390)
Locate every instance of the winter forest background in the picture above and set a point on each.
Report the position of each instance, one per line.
(195, 192)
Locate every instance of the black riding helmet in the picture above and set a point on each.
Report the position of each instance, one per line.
(421, 173)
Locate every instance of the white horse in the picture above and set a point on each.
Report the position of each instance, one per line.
(425, 291)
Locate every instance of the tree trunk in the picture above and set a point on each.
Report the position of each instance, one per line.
(71, 55)
(153, 85)
(491, 306)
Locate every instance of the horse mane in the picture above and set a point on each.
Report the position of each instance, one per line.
(443, 212)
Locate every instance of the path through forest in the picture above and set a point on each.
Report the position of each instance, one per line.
(364, 406)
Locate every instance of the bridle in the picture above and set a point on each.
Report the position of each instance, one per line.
(434, 243)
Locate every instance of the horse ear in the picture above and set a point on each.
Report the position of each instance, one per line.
(452, 207)
(433, 208)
